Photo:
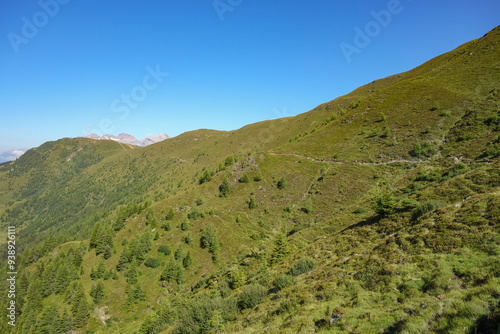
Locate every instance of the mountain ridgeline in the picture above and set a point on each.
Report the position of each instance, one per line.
(377, 212)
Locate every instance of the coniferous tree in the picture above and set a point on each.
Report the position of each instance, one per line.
(280, 250)
(144, 246)
(101, 269)
(123, 214)
(209, 240)
(172, 272)
(94, 237)
(224, 188)
(80, 308)
(97, 292)
(178, 253)
(105, 243)
(62, 279)
(170, 214)
(150, 219)
(124, 259)
(47, 319)
(132, 273)
(188, 260)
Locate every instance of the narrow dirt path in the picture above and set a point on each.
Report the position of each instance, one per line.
(351, 162)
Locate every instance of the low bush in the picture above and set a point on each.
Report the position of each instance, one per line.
(303, 265)
(152, 263)
(164, 249)
(251, 296)
(282, 281)
(426, 207)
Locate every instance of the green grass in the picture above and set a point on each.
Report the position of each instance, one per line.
(428, 265)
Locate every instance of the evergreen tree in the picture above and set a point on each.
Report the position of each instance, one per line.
(172, 272)
(47, 319)
(224, 188)
(384, 204)
(149, 324)
(252, 204)
(150, 219)
(80, 308)
(282, 183)
(178, 253)
(97, 292)
(280, 250)
(94, 237)
(187, 261)
(205, 177)
(209, 240)
(144, 246)
(132, 273)
(64, 323)
(124, 259)
(101, 269)
(123, 214)
(62, 279)
(105, 243)
(170, 214)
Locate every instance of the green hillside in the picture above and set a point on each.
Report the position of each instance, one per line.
(377, 212)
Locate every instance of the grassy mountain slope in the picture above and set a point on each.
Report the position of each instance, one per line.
(376, 212)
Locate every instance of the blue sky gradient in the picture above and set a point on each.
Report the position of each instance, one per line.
(244, 62)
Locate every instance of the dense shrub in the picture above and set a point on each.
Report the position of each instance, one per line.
(194, 213)
(204, 314)
(360, 210)
(164, 249)
(424, 149)
(282, 281)
(425, 208)
(303, 265)
(251, 296)
(152, 263)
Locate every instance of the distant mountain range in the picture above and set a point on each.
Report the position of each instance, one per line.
(129, 139)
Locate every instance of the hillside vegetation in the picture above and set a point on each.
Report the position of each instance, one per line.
(377, 212)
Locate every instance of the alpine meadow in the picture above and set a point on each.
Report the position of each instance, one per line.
(377, 212)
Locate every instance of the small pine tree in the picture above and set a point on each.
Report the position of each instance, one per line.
(170, 214)
(101, 269)
(205, 177)
(150, 219)
(187, 261)
(252, 204)
(280, 251)
(282, 183)
(124, 259)
(172, 272)
(97, 292)
(229, 161)
(94, 237)
(178, 254)
(384, 204)
(224, 188)
(245, 178)
(209, 240)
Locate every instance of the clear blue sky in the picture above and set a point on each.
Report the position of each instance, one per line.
(263, 60)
